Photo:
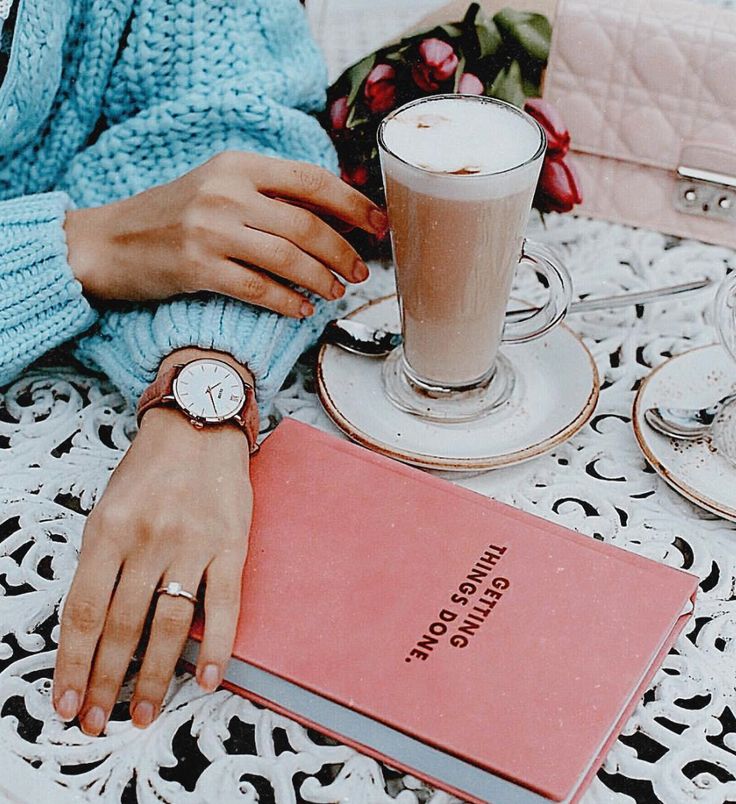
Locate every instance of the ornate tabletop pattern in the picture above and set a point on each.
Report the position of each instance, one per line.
(62, 433)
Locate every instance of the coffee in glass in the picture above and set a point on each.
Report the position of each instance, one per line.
(460, 173)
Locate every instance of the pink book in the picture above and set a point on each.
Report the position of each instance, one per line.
(485, 650)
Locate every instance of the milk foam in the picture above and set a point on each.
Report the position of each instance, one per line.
(451, 136)
(454, 138)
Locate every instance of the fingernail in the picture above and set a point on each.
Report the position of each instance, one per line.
(337, 290)
(379, 221)
(94, 721)
(143, 714)
(68, 705)
(210, 677)
(360, 271)
(306, 309)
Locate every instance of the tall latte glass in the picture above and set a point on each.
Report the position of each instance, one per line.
(460, 173)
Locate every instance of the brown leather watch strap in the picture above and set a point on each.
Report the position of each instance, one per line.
(251, 419)
(163, 386)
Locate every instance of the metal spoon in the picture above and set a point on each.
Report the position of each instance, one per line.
(359, 338)
(362, 339)
(686, 423)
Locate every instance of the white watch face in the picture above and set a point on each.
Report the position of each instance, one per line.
(209, 390)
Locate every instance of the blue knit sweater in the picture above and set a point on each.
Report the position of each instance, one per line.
(105, 98)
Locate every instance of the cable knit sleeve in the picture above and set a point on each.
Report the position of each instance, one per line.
(41, 303)
(195, 79)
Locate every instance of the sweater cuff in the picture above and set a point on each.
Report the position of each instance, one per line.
(41, 302)
(128, 346)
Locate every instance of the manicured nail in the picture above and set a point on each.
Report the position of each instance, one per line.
(379, 221)
(337, 290)
(143, 714)
(210, 677)
(360, 271)
(306, 309)
(94, 720)
(68, 705)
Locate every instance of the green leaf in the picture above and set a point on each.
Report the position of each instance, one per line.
(453, 31)
(489, 39)
(470, 15)
(355, 118)
(446, 31)
(459, 74)
(530, 86)
(531, 73)
(508, 85)
(530, 32)
(480, 38)
(396, 55)
(488, 76)
(356, 74)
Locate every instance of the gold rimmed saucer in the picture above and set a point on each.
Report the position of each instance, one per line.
(693, 379)
(556, 393)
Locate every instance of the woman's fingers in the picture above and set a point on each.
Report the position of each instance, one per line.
(304, 182)
(255, 287)
(312, 235)
(82, 622)
(285, 260)
(221, 611)
(123, 626)
(171, 622)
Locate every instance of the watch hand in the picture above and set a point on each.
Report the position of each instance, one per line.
(212, 388)
(212, 399)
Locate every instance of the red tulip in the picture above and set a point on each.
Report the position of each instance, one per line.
(470, 85)
(380, 89)
(339, 111)
(558, 137)
(354, 175)
(559, 188)
(438, 63)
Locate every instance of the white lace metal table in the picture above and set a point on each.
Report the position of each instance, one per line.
(62, 433)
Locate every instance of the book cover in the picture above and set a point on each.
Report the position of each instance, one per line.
(491, 652)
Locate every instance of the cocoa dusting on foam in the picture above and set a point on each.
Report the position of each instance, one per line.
(463, 171)
(429, 120)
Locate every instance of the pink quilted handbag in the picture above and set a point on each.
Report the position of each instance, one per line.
(648, 91)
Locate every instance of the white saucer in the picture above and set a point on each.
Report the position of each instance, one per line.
(694, 379)
(556, 392)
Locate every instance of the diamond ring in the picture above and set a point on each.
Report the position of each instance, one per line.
(174, 589)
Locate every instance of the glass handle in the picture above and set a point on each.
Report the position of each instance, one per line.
(560, 294)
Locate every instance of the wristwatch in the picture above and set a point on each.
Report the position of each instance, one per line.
(207, 391)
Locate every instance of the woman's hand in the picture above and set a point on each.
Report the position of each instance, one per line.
(177, 508)
(242, 224)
